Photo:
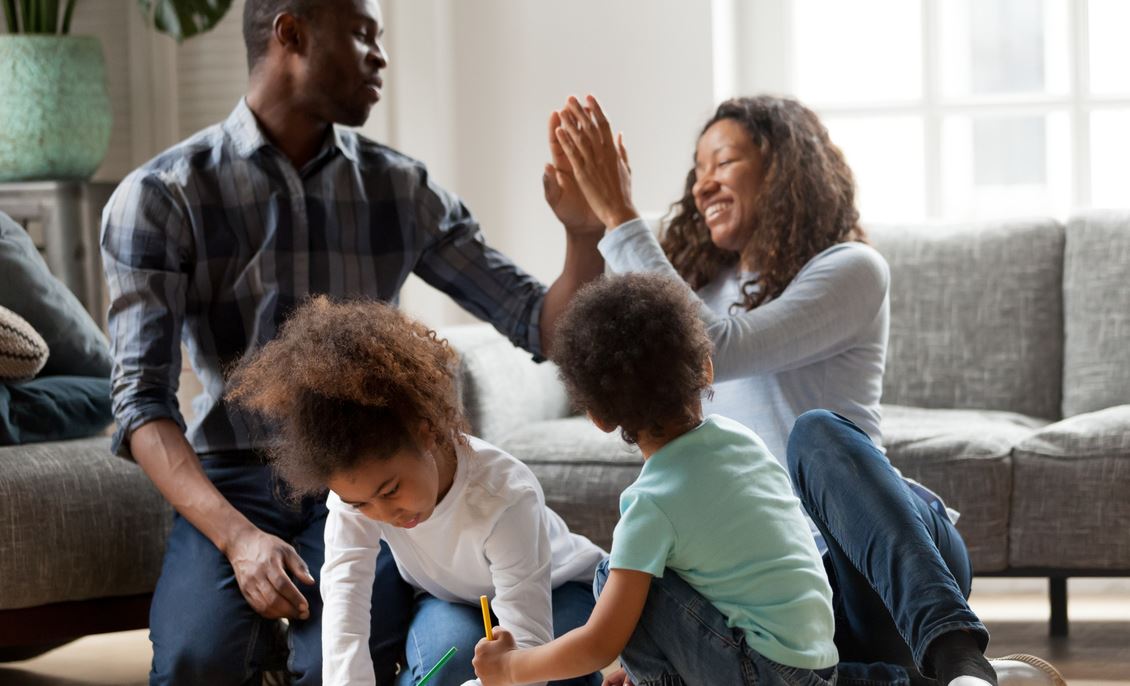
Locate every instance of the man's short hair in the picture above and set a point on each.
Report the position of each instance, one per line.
(259, 23)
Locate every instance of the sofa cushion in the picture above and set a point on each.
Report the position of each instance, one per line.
(965, 457)
(23, 352)
(976, 316)
(77, 345)
(581, 469)
(502, 387)
(76, 523)
(1069, 506)
(53, 408)
(1096, 300)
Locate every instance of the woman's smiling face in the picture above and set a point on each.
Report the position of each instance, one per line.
(729, 173)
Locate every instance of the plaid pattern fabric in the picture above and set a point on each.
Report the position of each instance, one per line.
(216, 240)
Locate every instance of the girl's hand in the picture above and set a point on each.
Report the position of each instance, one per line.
(617, 678)
(492, 659)
(600, 164)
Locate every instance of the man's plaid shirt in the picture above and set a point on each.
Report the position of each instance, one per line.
(218, 239)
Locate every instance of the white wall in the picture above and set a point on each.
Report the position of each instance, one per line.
(471, 86)
(469, 89)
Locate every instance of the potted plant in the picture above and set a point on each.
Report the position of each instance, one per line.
(54, 109)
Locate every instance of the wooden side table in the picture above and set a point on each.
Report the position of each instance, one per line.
(63, 220)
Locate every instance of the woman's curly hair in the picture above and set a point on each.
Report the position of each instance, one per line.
(633, 352)
(806, 203)
(346, 381)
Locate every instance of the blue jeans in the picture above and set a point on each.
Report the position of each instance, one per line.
(202, 629)
(437, 625)
(682, 638)
(899, 570)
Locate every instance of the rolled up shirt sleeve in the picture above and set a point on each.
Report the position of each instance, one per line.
(482, 280)
(146, 255)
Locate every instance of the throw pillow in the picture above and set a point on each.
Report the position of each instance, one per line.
(53, 408)
(77, 345)
(23, 352)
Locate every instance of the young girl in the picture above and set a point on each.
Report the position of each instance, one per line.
(713, 576)
(365, 402)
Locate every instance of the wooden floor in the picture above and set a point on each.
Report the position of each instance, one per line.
(1096, 653)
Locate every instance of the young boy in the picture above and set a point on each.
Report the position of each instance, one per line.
(748, 600)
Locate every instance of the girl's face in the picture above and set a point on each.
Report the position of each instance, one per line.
(402, 490)
(728, 177)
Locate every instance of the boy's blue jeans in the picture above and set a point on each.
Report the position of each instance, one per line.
(437, 625)
(899, 570)
(202, 629)
(682, 638)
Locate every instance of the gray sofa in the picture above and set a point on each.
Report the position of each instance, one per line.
(1007, 390)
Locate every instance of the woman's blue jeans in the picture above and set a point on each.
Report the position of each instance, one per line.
(437, 625)
(899, 570)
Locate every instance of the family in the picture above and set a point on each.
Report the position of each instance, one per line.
(329, 478)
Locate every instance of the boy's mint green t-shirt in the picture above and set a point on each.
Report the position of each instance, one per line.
(716, 508)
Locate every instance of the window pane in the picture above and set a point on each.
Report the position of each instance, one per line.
(1003, 47)
(1110, 50)
(997, 166)
(886, 156)
(1110, 148)
(859, 51)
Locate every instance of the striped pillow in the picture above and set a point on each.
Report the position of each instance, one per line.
(23, 352)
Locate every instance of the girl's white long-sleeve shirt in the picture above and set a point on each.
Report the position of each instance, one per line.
(492, 535)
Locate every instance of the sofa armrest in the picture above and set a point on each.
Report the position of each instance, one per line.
(501, 386)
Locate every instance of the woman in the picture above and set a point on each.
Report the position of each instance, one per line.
(795, 302)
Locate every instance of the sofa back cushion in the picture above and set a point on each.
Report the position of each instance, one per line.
(78, 347)
(1096, 300)
(502, 388)
(976, 316)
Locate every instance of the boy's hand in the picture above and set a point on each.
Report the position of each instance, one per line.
(617, 678)
(492, 659)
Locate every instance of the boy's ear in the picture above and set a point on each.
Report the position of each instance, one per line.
(601, 424)
(709, 370)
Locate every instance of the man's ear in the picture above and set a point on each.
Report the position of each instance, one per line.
(709, 370)
(290, 33)
(601, 424)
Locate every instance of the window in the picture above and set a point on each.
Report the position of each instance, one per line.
(965, 109)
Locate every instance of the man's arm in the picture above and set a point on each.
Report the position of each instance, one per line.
(147, 250)
(260, 560)
(487, 283)
(583, 263)
(583, 650)
(583, 231)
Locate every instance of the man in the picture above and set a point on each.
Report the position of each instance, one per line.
(216, 241)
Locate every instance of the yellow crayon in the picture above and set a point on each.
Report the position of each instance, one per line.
(486, 616)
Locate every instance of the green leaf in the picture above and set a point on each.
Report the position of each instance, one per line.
(183, 19)
(11, 18)
(49, 10)
(67, 16)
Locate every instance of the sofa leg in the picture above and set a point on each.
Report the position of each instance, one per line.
(1057, 592)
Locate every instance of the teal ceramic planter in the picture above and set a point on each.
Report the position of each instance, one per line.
(54, 110)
